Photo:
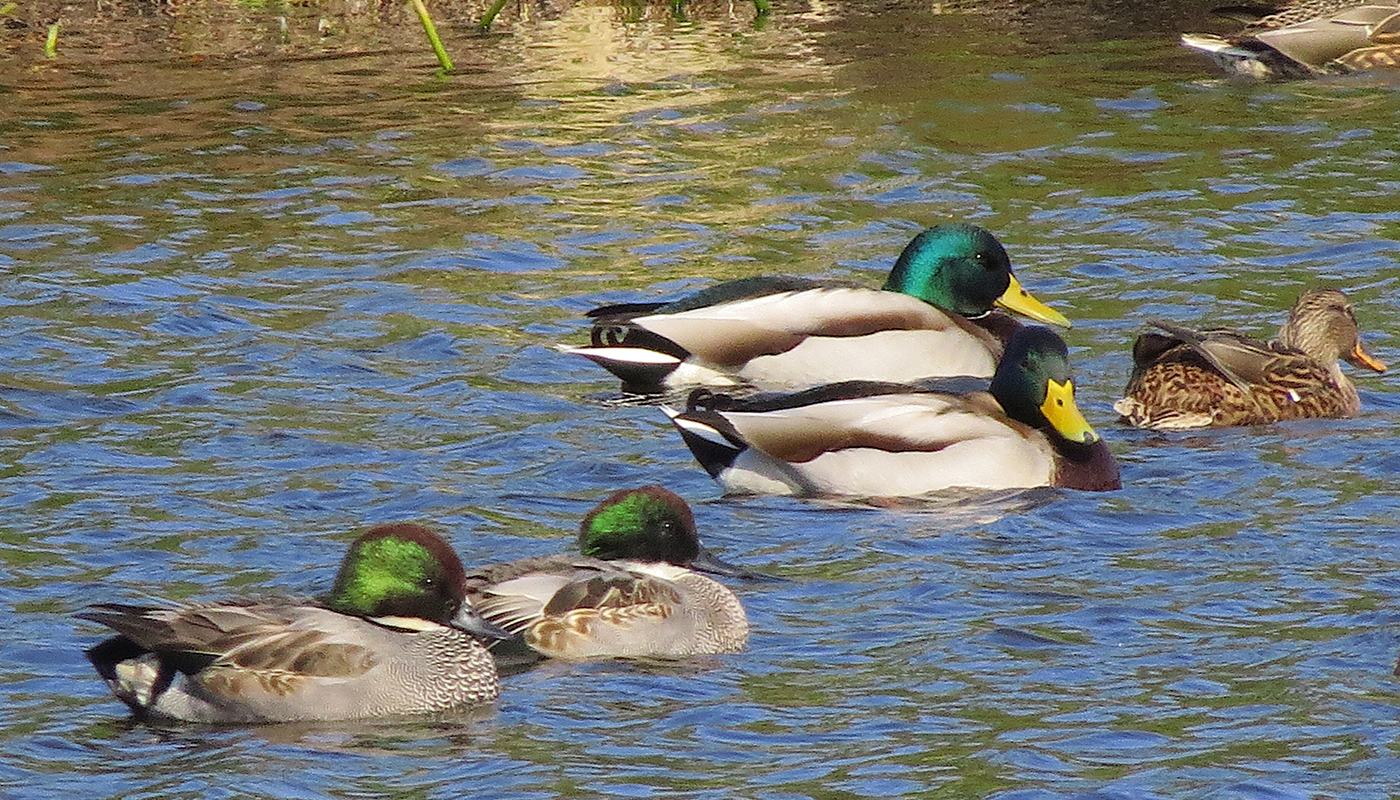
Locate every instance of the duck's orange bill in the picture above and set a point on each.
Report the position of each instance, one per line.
(1361, 358)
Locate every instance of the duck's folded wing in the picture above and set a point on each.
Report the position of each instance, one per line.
(735, 332)
(519, 602)
(1317, 41)
(587, 586)
(1245, 361)
(1385, 54)
(618, 589)
(614, 613)
(260, 640)
(207, 631)
(922, 422)
(513, 594)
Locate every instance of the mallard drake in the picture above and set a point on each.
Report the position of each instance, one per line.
(634, 593)
(933, 317)
(873, 439)
(393, 637)
(1308, 38)
(1195, 379)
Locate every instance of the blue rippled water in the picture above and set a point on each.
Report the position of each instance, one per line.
(243, 321)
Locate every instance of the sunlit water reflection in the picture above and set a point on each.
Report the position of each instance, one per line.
(251, 308)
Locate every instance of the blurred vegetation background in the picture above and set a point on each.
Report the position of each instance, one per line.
(138, 29)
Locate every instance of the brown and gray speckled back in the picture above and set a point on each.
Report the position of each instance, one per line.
(1302, 11)
(1189, 379)
(272, 662)
(573, 607)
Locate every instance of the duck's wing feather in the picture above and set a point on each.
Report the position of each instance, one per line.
(558, 603)
(1321, 39)
(734, 332)
(518, 603)
(631, 609)
(279, 644)
(519, 594)
(1244, 360)
(626, 585)
(896, 419)
(513, 594)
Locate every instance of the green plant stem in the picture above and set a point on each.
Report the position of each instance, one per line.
(443, 59)
(490, 17)
(51, 43)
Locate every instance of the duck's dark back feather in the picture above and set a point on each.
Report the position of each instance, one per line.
(707, 400)
(757, 286)
(623, 310)
(727, 292)
(1244, 360)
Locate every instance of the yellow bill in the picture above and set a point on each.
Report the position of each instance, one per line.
(1060, 409)
(1017, 299)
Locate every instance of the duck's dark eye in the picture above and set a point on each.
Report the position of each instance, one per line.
(427, 583)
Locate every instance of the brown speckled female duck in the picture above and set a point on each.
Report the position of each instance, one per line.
(1188, 379)
(1306, 38)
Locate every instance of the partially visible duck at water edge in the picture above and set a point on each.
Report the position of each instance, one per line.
(1306, 39)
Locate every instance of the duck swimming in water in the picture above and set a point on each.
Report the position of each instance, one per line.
(934, 317)
(1216, 378)
(869, 439)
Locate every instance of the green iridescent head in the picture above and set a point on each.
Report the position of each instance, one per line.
(400, 570)
(651, 524)
(964, 269)
(646, 524)
(1034, 385)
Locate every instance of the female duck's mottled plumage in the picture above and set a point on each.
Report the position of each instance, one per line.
(1310, 37)
(633, 594)
(1189, 379)
(934, 317)
(394, 637)
(888, 440)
